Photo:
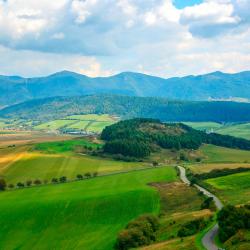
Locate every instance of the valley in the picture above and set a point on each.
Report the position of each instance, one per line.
(65, 183)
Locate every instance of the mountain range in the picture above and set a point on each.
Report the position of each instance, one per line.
(215, 86)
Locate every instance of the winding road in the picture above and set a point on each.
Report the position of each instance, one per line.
(208, 239)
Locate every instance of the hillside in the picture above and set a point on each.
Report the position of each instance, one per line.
(141, 137)
(217, 85)
(128, 107)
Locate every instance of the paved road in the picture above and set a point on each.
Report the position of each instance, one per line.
(208, 239)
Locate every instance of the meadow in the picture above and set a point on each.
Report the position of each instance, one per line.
(23, 165)
(233, 189)
(89, 123)
(237, 130)
(77, 215)
(215, 154)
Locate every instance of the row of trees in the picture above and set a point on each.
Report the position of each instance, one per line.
(220, 172)
(37, 182)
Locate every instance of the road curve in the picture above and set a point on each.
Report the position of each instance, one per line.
(208, 239)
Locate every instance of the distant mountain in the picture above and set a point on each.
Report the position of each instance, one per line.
(217, 85)
(129, 107)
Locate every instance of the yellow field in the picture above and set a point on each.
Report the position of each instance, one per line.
(14, 137)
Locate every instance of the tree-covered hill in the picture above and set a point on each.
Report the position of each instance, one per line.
(129, 107)
(140, 137)
(215, 85)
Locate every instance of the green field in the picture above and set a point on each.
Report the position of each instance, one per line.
(237, 130)
(215, 154)
(233, 189)
(207, 126)
(65, 146)
(54, 125)
(44, 166)
(89, 123)
(78, 215)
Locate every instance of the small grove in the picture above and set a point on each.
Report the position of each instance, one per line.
(232, 219)
(37, 182)
(140, 137)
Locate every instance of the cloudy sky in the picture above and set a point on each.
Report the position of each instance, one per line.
(103, 37)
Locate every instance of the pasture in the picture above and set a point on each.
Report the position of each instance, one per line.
(215, 154)
(23, 165)
(237, 130)
(79, 215)
(233, 189)
(89, 123)
(207, 167)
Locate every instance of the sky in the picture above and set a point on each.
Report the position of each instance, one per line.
(104, 37)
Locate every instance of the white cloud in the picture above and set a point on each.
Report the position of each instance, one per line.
(122, 34)
(28, 63)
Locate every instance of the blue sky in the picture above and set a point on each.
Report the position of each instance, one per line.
(180, 4)
(104, 37)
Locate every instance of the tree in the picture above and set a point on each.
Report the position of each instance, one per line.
(79, 177)
(95, 174)
(37, 182)
(63, 179)
(2, 184)
(20, 185)
(87, 175)
(54, 180)
(10, 186)
(28, 183)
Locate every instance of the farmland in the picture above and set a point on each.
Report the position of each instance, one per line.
(233, 189)
(88, 123)
(47, 160)
(91, 123)
(215, 154)
(77, 215)
(241, 130)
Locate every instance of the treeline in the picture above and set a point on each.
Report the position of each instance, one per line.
(141, 136)
(220, 172)
(38, 182)
(231, 219)
(128, 107)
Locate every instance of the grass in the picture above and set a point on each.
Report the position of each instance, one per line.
(90, 123)
(79, 125)
(47, 160)
(34, 165)
(179, 204)
(93, 117)
(205, 126)
(97, 127)
(79, 215)
(188, 243)
(54, 125)
(207, 167)
(237, 130)
(215, 154)
(233, 189)
(65, 146)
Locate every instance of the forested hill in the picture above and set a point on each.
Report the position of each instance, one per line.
(129, 107)
(216, 85)
(140, 137)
